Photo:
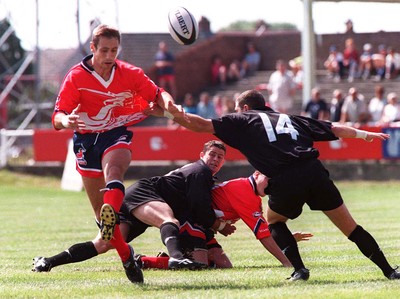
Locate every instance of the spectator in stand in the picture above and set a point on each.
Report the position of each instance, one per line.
(351, 59)
(164, 61)
(218, 104)
(234, 71)
(354, 109)
(376, 104)
(349, 26)
(365, 62)
(334, 64)
(379, 63)
(281, 88)
(205, 107)
(296, 71)
(391, 111)
(392, 63)
(218, 71)
(228, 105)
(251, 61)
(189, 104)
(316, 107)
(335, 109)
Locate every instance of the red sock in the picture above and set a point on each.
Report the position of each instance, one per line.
(155, 262)
(114, 197)
(120, 245)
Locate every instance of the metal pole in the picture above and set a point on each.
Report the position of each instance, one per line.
(308, 51)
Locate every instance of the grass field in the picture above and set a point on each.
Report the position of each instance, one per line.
(37, 218)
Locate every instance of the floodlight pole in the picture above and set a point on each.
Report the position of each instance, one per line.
(308, 51)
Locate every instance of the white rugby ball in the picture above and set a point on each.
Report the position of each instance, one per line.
(182, 26)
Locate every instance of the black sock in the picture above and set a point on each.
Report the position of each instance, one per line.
(287, 243)
(170, 237)
(76, 253)
(368, 246)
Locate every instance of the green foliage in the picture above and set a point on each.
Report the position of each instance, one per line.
(40, 219)
(249, 26)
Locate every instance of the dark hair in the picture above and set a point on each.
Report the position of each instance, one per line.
(105, 31)
(252, 98)
(216, 143)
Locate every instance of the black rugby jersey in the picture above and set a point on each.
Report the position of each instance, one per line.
(187, 190)
(271, 140)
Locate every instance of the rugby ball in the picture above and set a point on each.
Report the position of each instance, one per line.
(182, 26)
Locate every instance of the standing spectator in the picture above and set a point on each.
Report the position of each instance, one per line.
(98, 99)
(334, 64)
(189, 104)
(281, 88)
(164, 61)
(316, 107)
(251, 61)
(379, 62)
(354, 110)
(376, 104)
(335, 109)
(218, 72)
(365, 62)
(351, 59)
(392, 63)
(349, 26)
(391, 111)
(205, 106)
(296, 71)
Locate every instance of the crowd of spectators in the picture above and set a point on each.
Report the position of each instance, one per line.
(354, 109)
(371, 63)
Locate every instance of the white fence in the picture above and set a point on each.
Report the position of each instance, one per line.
(9, 146)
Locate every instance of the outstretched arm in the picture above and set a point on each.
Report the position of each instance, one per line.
(343, 131)
(270, 244)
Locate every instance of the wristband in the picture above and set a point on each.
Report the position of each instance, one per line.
(361, 134)
(221, 226)
(167, 114)
(65, 121)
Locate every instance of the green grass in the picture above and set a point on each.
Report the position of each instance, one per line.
(37, 218)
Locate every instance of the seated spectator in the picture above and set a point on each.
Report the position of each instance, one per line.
(296, 71)
(335, 108)
(351, 59)
(365, 62)
(189, 104)
(218, 71)
(234, 72)
(228, 105)
(205, 107)
(334, 64)
(392, 63)
(251, 61)
(218, 104)
(376, 104)
(379, 62)
(316, 107)
(354, 109)
(391, 111)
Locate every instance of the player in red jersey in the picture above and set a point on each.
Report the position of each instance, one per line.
(281, 146)
(99, 98)
(232, 200)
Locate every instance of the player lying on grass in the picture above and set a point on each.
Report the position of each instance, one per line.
(159, 201)
(281, 146)
(232, 200)
(239, 198)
